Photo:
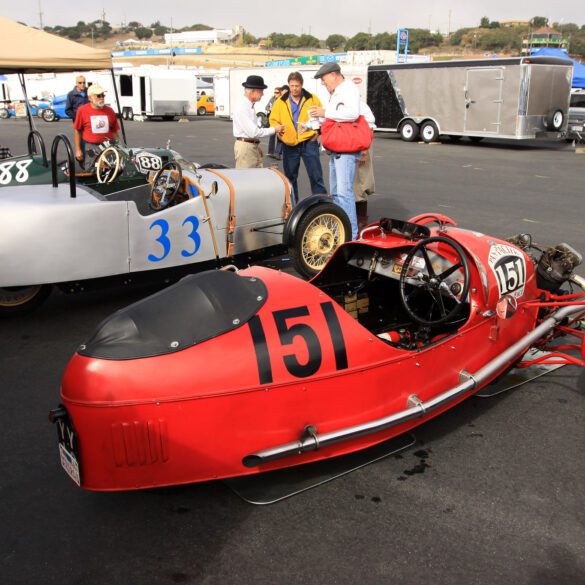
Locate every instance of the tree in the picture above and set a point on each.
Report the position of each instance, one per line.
(539, 21)
(309, 41)
(143, 33)
(249, 39)
(158, 29)
(335, 42)
(456, 38)
(133, 25)
(384, 41)
(359, 42)
(485, 22)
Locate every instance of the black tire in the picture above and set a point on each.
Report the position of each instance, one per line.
(4, 114)
(49, 115)
(201, 111)
(124, 114)
(409, 131)
(555, 120)
(320, 231)
(429, 132)
(130, 115)
(17, 300)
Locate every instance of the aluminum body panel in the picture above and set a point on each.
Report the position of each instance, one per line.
(47, 236)
(483, 100)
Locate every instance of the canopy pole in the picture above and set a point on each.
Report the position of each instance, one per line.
(119, 108)
(28, 114)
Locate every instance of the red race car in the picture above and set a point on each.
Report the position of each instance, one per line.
(229, 373)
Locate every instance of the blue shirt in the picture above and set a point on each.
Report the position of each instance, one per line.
(295, 109)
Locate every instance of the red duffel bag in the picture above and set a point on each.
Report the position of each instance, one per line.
(346, 136)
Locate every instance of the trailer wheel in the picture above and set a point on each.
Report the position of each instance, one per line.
(130, 114)
(124, 113)
(408, 131)
(429, 132)
(555, 120)
(321, 230)
(17, 300)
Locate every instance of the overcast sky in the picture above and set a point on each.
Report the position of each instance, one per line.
(318, 17)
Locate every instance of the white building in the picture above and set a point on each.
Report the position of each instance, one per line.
(204, 37)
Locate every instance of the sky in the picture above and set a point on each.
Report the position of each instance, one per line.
(317, 17)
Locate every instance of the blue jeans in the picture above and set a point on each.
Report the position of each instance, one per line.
(342, 169)
(291, 161)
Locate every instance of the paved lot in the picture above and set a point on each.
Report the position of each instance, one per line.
(492, 493)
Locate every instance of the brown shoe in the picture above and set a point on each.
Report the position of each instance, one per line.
(361, 208)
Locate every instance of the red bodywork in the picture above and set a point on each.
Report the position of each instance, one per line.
(196, 414)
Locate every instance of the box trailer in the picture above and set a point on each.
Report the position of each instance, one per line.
(517, 98)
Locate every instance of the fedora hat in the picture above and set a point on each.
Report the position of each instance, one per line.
(254, 82)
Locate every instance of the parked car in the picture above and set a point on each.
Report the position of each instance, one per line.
(205, 105)
(232, 373)
(576, 128)
(148, 214)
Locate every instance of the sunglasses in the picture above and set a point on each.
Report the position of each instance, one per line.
(99, 95)
(81, 83)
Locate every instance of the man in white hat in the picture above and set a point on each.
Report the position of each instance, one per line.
(95, 122)
(246, 131)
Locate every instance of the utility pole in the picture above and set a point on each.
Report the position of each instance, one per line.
(40, 15)
(449, 29)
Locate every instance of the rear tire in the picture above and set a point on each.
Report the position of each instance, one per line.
(409, 131)
(17, 300)
(429, 132)
(201, 111)
(321, 230)
(4, 114)
(555, 120)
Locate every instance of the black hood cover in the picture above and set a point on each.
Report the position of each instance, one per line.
(197, 308)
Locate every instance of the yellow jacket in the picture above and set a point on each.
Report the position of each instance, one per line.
(281, 113)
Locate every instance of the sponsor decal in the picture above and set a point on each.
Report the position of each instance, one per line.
(509, 267)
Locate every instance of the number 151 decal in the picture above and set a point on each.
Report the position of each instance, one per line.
(287, 334)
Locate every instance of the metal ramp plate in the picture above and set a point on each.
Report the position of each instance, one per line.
(274, 486)
(518, 376)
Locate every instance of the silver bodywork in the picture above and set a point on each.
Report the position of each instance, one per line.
(48, 237)
(510, 98)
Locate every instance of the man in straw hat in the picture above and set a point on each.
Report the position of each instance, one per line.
(246, 131)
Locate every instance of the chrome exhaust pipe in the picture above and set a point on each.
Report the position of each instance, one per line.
(312, 441)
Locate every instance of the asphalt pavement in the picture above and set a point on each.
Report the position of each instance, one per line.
(492, 493)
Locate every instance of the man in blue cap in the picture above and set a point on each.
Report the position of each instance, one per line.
(246, 131)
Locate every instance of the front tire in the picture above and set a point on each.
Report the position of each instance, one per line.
(409, 131)
(17, 300)
(321, 230)
(49, 115)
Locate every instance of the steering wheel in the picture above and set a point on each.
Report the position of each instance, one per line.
(426, 280)
(108, 165)
(165, 185)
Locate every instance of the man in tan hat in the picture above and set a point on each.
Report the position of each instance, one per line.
(246, 132)
(95, 122)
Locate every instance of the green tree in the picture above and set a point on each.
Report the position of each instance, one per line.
(197, 27)
(456, 38)
(498, 39)
(359, 42)
(158, 29)
(71, 32)
(249, 39)
(133, 25)
(143, 33)
(335, 42)
(485, 22)
(309, 41)
(384, 41)
(539, 21)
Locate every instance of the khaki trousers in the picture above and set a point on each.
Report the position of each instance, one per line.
(248, 155)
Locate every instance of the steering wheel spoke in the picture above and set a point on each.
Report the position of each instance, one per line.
(108, 165)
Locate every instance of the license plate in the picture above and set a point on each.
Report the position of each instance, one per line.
(69, 464)
(68, 449)
(577, 128)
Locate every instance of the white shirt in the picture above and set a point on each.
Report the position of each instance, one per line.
(344, 105)
(245, 123)
(367, 113)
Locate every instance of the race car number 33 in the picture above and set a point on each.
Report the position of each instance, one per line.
(509, 267)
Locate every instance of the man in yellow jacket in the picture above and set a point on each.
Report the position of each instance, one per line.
(292, 111)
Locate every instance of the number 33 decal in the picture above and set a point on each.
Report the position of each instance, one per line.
(287, 334)
(165, 242)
